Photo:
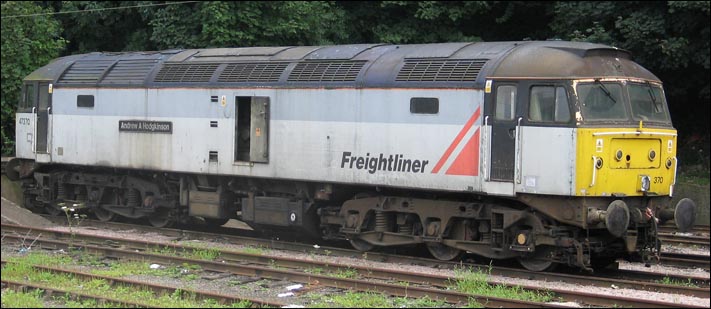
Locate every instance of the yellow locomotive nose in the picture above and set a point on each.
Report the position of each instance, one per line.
(625, 162)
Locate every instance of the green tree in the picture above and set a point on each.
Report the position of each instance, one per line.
(27, 44)
(407, 22)
(103, 25)
(250, 23)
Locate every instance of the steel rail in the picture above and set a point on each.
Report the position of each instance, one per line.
(281, 274)
(684, 240)
(23, 286)
(621, 278)
(157, 288)
(686, 260)
(388, 274)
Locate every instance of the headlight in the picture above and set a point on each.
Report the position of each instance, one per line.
(644, 183)
(618, 155)
(598, 163)
(668, 164)
(652, 154)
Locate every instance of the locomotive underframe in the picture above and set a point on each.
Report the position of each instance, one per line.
(532, 227)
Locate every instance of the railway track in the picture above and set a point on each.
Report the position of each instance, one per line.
(136, 284)
(129, 251)
(685, 260)
(622, 278)
(674, 239)
(48, 290)
(439, 281)
(695, 230)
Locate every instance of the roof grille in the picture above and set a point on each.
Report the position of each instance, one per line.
(419, 70)
(130, 71)
(85, 72)
(177, 73)
(252, 72)
(331, 71)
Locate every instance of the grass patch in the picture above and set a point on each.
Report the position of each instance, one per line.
(254, 250)
(162, 250)
(40, 258)
(371, 300)
(122, 269)
(348, 273)
(670, 281)
(194, 251)
(475, 282)
(314, 270)
(202, 252)
(84, 303)
(14, 299)
(22, 270)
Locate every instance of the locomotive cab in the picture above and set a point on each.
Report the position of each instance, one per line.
(593, 127)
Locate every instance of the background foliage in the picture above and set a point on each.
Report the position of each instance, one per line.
(670, 39)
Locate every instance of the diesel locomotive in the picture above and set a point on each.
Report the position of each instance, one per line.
(548, 152)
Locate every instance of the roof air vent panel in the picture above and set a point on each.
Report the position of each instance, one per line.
(326, 71)
(252, 72)
(440, 70)
(186, 73)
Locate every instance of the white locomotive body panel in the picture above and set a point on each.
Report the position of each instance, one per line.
(357, 136)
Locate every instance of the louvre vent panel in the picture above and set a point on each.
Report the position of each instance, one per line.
(177, 73)
(440, 70)
(85, 72)
(252, 72)
(129, 71)
(336, 71)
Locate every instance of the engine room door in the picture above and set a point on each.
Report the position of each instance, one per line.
(259, 139)
(252, 129)
(503, 113)
(44, 107)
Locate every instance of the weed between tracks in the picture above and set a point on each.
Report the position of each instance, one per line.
(371, 300)
(670, 281)
(13, 299)
(22, 270)
(470, 281)
(194, 251)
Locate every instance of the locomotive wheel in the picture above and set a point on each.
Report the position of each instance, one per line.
(104, 215)
(538, 261)
(161, 218)
(361, 245)
(443, 252)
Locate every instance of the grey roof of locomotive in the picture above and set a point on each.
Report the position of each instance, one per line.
(438, 65)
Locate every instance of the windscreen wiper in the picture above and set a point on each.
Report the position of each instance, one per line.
(604, 89)
(654, 98)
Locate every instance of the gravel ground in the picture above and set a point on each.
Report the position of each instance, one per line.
(226, 286)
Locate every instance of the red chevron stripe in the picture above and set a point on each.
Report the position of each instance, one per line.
(467, 163)
(456, 141)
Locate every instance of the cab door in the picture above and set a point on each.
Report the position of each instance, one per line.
(44, 108)
(502, 112)
(25, 125)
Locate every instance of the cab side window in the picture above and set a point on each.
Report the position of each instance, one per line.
(28, 97)
(548, 104)
(505, 102)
